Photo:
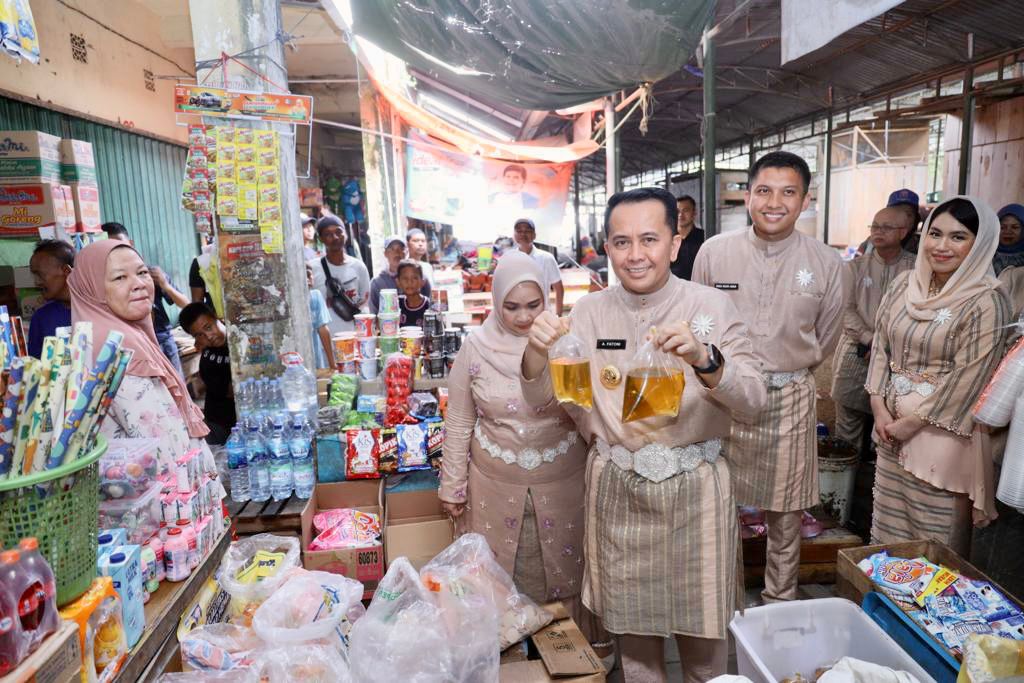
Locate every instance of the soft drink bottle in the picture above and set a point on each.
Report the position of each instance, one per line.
(280, 462)
(300, 445)
(44, 585)
(13, 643)
(259, 472)
(238, 466)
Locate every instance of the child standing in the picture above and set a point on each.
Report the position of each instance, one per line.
(412, 303)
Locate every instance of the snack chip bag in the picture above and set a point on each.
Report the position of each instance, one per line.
(388, 450)
(362, 455)
(244, 136)
(412, 447)
(898, 574)
(245, 154)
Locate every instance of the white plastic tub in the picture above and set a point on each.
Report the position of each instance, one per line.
(778, 640)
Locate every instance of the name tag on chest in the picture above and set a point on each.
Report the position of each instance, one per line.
(727, 286)
(611, 344)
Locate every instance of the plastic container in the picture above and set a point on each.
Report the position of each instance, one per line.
(259, 467)
(44, 586)
(128, 468)
(124, 567)
(238, 466)
(140, 517)
(775, 641)
(157, 545)
(364, 324)
(280, 463)
(931, 656)
(837, 474)
(388, 345)
(300, 446)
(13, 644)
(344, 344)
(388, 324)
(188, 532)
(388, 302)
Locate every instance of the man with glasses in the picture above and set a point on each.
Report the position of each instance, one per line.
(870, 275)
(201, 322)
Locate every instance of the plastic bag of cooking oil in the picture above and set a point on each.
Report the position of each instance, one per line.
(569, 363)
(654, 384)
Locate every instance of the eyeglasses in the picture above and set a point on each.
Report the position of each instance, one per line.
(875, 227)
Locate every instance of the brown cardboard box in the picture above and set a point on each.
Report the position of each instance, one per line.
(853, 584)
(363, 564)
(77, 163)
(86, 200)
(28, 156)
(564, 652)
(58, 659)
(26, 210)
(415, 527)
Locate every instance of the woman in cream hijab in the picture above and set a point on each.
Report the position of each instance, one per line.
(940, 333)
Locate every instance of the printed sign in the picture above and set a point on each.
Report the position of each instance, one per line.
(267, 106)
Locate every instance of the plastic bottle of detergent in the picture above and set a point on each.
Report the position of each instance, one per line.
(43, 584)
(13, 644)
(259, 470)
(300, 443)
(280, 462)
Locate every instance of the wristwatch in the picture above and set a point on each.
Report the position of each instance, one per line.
(715, 361)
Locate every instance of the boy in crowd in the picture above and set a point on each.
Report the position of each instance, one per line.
(201, 322)
(412, 303)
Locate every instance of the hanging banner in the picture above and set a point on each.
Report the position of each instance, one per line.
(483, 198)
(806, 26)
(266, 106)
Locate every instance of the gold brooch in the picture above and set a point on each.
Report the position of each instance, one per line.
(610, 376)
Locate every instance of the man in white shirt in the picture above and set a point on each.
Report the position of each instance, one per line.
(349, 274)
(417, 241)
(525, 233)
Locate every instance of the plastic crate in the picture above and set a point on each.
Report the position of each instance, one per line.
(775, 641)
(932, 657)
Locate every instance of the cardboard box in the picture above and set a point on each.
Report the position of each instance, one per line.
(35, 210)
(415, 527)
(58, 659)
(77, 163)
(559, 651)
(86, 200)
(853, 584)
(363, 564)
(28, 156)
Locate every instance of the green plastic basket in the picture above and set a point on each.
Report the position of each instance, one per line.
(61, 511)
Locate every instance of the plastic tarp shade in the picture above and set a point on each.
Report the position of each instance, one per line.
(537, 54)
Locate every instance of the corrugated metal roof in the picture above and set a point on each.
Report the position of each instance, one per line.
(139, 180)
(916, 38)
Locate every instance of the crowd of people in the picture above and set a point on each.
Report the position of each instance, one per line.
(634, 524)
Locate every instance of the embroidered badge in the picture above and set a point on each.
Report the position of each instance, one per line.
(868, 282)
(702, 325)
(943, 316)
(805, 278)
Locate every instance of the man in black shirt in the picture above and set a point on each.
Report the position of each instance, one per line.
(201, 322)
(692, 236)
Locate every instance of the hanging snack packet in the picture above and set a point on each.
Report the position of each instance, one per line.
(569, 365)
(362, 456)
(654, 387)
(412, 447)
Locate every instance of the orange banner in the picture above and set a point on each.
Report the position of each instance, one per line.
(280, 107)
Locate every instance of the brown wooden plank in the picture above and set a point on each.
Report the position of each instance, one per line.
(279, 517)
(162, 613)
(253, 510)
(272, 508)
(294, 507)
(235, 508)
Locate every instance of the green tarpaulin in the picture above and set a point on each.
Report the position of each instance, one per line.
(537, 54)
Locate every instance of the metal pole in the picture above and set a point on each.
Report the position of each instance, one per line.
(967, 122)
(828, 173)
(612, 182)
(751, 158)
(250, 28)
(710, 177)
(576, 208)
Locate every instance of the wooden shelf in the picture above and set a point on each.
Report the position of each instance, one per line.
(159, 641)
(281, 517)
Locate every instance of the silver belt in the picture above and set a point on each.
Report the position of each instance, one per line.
(777, 380)
(903, 385)
(658, 462)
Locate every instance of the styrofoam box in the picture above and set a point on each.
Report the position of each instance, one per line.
(778, 640)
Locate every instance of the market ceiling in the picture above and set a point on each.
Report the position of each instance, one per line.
(910, 44)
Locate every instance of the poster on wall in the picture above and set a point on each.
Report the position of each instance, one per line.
(482, 198)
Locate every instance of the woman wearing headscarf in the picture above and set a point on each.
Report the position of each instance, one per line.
(939, 335)
(510, 472)
(112, 289)
(1010, 251)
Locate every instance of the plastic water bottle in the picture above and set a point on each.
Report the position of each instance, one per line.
(244, 399)
(298, 386)
(238, 466)
(300, 445)
(259, 468)
(280, 462)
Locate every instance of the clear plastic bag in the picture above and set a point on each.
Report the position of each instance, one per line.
(569, 364)
(253, 568)
(468, 566)
(654, 384)
(311, 663)
(400, 638)
(231, 676)
(219, 647)
(310, 606)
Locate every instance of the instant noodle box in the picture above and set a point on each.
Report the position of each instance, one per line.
(362, 564)
(77, 163)
(86, 200)
(25, 210)
(29, 156)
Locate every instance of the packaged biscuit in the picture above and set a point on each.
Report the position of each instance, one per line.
(266, 139)
(227, 187)
(362, 454)
(199, 179)
(244, 136)
(203, 222)
(270, 213)
(268, 175)
(197, 135)
(227, 152)
(266, 157)
(225, 171)
(227, 205)
(225, 134)
(202, 201)
(269, 194)
(198, 157)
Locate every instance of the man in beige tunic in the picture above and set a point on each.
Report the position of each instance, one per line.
(869, 277)
(661, 530)
(789, 290)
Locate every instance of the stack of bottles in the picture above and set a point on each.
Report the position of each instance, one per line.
(28, 609)
(270, 450)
